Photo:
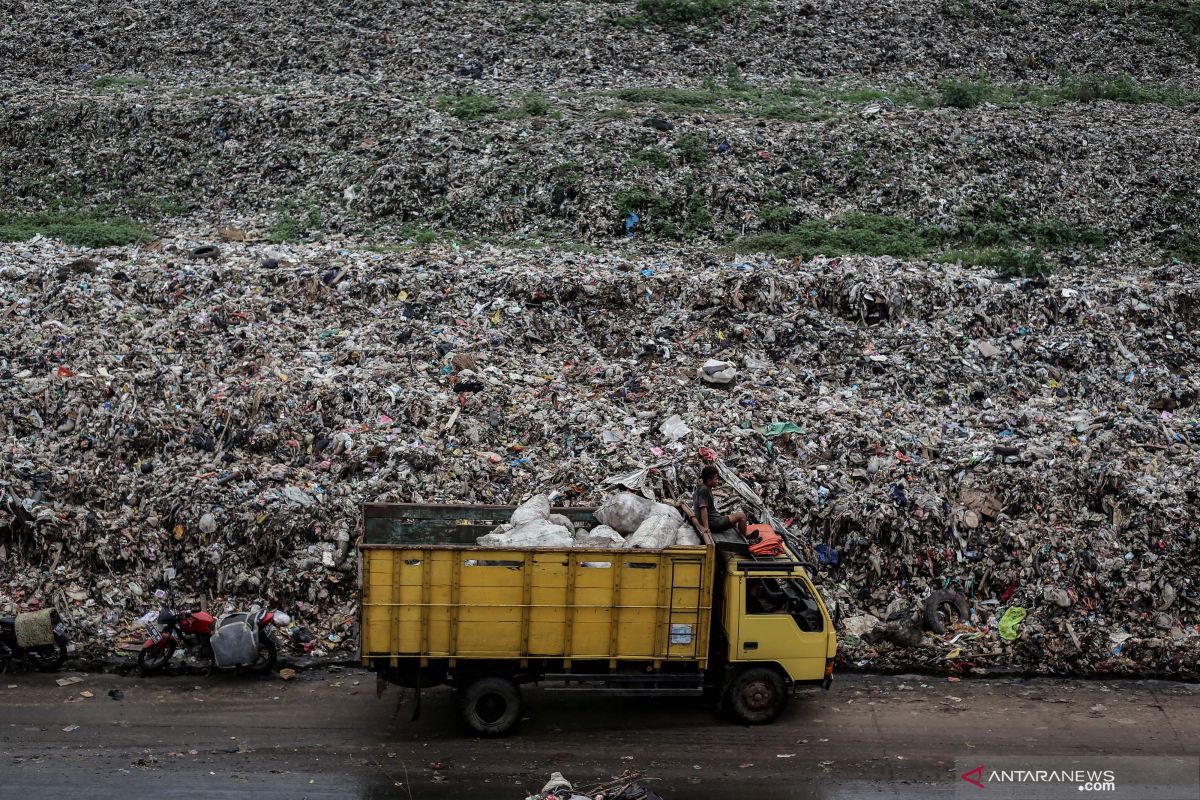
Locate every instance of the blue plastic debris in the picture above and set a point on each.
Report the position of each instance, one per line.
(630, 222)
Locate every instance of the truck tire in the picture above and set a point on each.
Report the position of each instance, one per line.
(490, 706)
(757, 695)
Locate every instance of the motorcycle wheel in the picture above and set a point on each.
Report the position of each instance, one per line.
(151, 661)
(267, 653)
(47, 658)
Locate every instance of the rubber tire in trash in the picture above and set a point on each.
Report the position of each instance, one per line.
(757, 696)
(490, 706)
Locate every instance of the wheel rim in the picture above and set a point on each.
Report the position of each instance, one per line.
(157, 658)
(491, 707)
(758, 695)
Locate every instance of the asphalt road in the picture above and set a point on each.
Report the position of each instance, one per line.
(326, 735)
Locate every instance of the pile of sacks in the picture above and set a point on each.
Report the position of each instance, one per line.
(627, 520)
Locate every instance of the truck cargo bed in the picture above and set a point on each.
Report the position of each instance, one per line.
(431, 593)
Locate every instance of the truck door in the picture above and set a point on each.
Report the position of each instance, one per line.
(781, 621)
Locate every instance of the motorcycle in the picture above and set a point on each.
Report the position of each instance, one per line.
(195, 631)
(43, 657)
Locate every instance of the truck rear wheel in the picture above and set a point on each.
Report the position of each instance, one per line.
(490, 706)
(757, 695)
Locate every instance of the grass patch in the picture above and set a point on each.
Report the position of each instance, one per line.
(169, 205)
(1010, 248)
(677, 13)
(651, 157)
(81, 228)
(467, 106)
(1185, 246)
(614, 113)
(105, 82)
(1184, 18)
(1007, 261)
(1120, 88)
(865, 234)
(293, 224)
(692, 149)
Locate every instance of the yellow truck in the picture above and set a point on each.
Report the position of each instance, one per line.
(709, 620)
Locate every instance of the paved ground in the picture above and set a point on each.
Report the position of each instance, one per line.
(325, 735)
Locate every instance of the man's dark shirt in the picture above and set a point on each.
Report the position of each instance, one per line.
(702, 498)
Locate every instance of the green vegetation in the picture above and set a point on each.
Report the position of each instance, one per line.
(614, 113)
(1183, 16)
(674, 13)
(294, 223)
(651, 157)
(1185, 246)
(692, 149)
(968, 93)
(105, 82)
(82, 228)
(1008, 262)
(150, 205)
(477, 106)
(467, 106)
(866, 234)
(1001, 246)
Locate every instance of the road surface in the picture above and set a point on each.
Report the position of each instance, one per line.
(326, 735)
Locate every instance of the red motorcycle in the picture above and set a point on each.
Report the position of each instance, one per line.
(196, 631)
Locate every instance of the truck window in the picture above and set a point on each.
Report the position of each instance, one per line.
(784, 596)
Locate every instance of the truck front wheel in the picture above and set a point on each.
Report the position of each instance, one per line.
(757, 695)
(490, 706)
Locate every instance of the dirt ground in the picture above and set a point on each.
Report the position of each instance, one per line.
(326, 735)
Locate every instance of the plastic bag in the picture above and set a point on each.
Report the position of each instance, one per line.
(235, 642)
(674, 428)
(599, 536)
(625, 511)
(655, 533)
(539, 533)
(533, 509)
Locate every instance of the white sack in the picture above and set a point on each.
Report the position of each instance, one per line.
(535, 508)
(599, 536)
(625, 511)
(539, 533)
(686, 535)
(564, 520)
(654, 534)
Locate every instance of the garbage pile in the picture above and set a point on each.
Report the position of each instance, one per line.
(629, 786)
(213, 424)
(526, 122)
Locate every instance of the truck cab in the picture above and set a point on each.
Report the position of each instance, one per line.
(774, 634)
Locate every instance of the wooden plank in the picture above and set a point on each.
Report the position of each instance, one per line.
(615, 621)
(526, 602)
(569, 609)
(455, 582)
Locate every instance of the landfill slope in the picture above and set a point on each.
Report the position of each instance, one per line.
(216, 425)
(467, 251)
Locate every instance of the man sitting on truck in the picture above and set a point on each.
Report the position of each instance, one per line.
(705, 507)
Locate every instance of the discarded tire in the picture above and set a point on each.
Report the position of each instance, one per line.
(943, 609)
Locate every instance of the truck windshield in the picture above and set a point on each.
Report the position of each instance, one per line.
(784, 596)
